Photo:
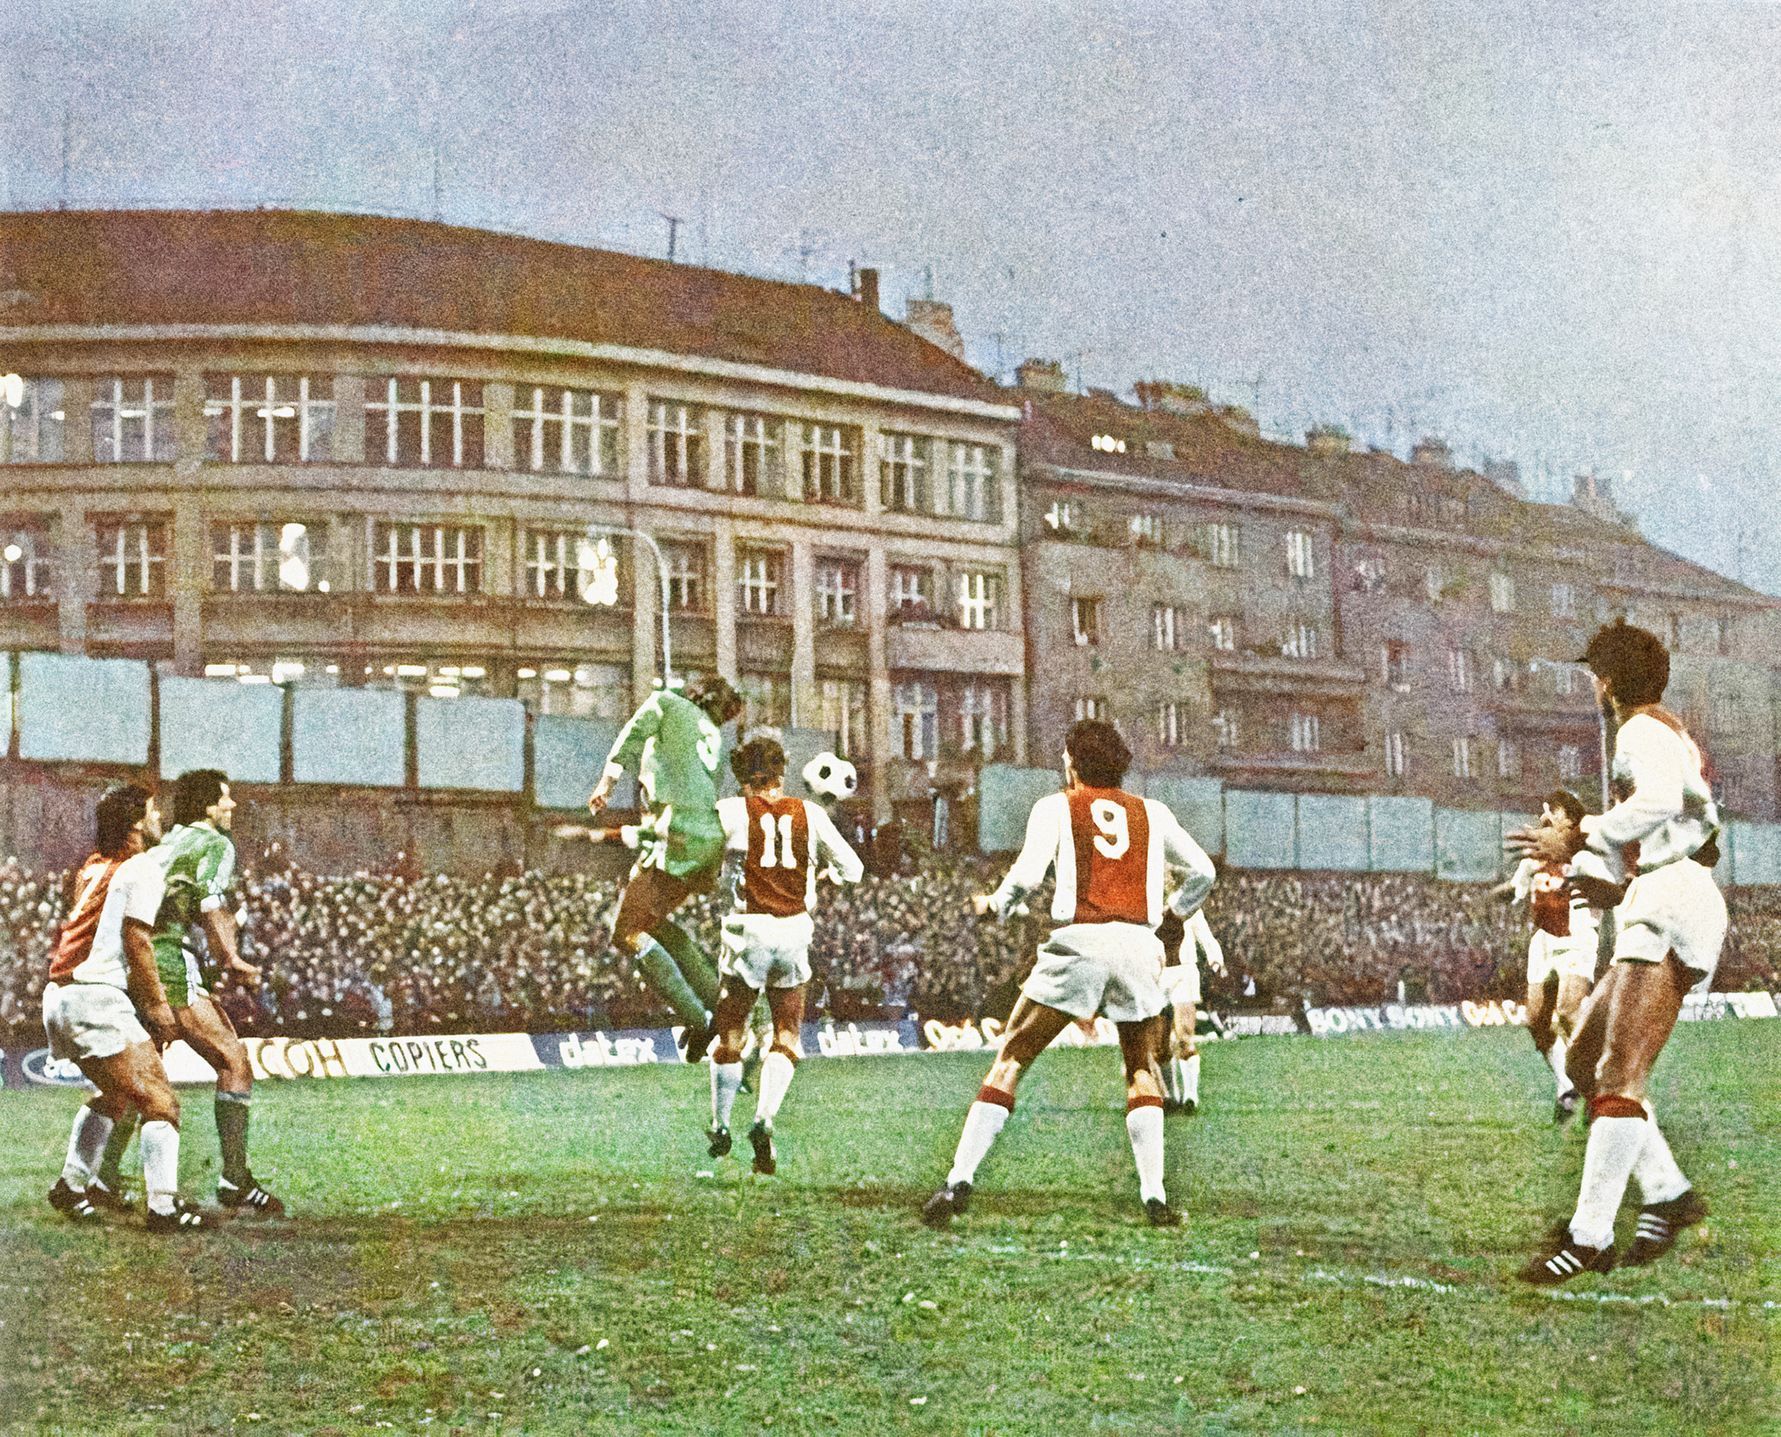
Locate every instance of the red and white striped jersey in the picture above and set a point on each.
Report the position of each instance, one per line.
(784, 843)
(75, 942)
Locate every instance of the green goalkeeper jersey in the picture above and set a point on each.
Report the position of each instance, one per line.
(673, 747)
(198, 862)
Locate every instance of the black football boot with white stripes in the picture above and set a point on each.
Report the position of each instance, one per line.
(247, 1197)
(1567, 1258)
(1660, 1224)
(72, 1202)
(183, 1218)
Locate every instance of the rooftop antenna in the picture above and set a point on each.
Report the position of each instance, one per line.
(438, 185)
(674, 224)
(67, 152)
(807, 246)
(930, 277)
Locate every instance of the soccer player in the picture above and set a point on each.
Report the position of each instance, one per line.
(197, 862)
(673, 742)
(103, 989)
(1110, 850)
(1671, 925)
(783, 842)
(1561, 954)
(1187, 942)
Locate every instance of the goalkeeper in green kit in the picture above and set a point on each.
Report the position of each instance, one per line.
(673, 743)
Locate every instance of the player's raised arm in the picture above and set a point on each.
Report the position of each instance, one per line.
(843, 864)
(1047, 826)
(627, 749)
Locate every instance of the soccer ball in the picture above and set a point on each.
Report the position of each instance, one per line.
(830, 777)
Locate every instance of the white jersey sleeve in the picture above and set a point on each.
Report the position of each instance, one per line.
(828, 846)
(1048, 827)
(732, 813)
(1670, 811)
(1183, 858)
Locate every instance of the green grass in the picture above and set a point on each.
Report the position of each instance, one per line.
(537, 1254)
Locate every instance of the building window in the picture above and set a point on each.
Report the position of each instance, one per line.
(911, 591)
(1085, 621)
(1462, 757)
(1090, 706)
(1394, 657)
(1168, 628)
(132, 559)
(1369, 575)
(837, 592)
(1147, 529)
(133, 420)
(582, 691)
(1459, 671)
(1570, 762)
(268, 418)
(1728, 712)
(766, 700)
(1396, 758)
(566, 431)
(983, 719)
(1300, 641)
(1171, 723)
(752, 455)
(1508, 759)
(1564, 679)
(685, 564)
(1305, 732)
(265, 558)
(917, 731)
(830, 476)
(1221, 545)
(1222, 630)
(1064, 517)
(971, 475)
(426, 559)
(423, 423)
(758, 576)
(1505, 675)
(1301, 554)
(980, 599)
(843, 715)
(438, 678)
(903, 473)
(676, 444)
(1673, 624)
(1722, 636)
(24, 563)
(309, 672)
(31, 431)
(1434, 583)
(565, 564)
(1564, 601)
(1225, 728)
(1502, 593)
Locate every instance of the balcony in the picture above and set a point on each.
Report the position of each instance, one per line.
(1285, 763)
(932, 649)
(1256, 673)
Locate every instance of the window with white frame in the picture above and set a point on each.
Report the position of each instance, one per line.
(31, 431)
(1226, 728)
(563, 563)
(1564, 600)
(1221, 544)
(265, 557)
(576, 690)
(1305, 732)
(1064, 516)
(24, 562)
(268, 418)
(1570, 762)
(1564, 679)
(1301, 554)
(972, 476)
(423, 423)
(1508, 759)
(1300, 641)
(980, 599)
(1459, 671)
(1147, 529)
(1505, 675)
(753, 462)
(1462, 757)
(1397, 761)
(916, 713)
(843, 715)
(1168, 628)
(766, 699)
(837, 592)
(676, 444)
(684, 560)
(1171, 723)
(1085, 621)
(566, 431)
(1502, 592)
(132, 558)
(1394, 661)
(133, 420)
(1221, 629)
(983, 718)
(1434, 583)
(1090, 706)
(903, 473)
(759, 573)
(426, 558)
(911, 590)
(829, 457)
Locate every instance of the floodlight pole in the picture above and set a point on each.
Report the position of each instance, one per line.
(594, 531)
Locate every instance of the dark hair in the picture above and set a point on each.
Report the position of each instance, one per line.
(194, 791)
(1098, 752)
(758, 763)
(713, 693)
(120, 809)
(1632, 660)
(1563, 798)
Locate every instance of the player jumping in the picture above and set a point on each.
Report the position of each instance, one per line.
(1187, 942)
(1671, 926)
(784, 843)
(1110, 850)
(673, 743)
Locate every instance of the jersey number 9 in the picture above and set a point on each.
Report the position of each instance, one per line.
(1112, 837)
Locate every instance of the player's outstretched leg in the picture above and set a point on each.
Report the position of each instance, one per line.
(730, 1021)
(1139, 1044)
(777, 1069)
(207, 1028)
(693, 962)
(86, 1141)
(649, 897)
(1669, 1201)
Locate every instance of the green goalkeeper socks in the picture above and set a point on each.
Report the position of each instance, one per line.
(663, 975)
(232, 1110)
(690, 958)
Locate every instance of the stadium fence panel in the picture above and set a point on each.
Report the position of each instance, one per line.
(1401, 834)
(1260, 829)
(1333, 833)
(473, 743)
(349, 736)
(81, 710)
(218, 723)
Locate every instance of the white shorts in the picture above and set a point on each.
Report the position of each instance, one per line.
(89, 1020)
(1572, 956)
(1089, 968)
(764, 951)
(1677, 908)
(1181, 985)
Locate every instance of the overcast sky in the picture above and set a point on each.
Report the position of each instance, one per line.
(1547, 232)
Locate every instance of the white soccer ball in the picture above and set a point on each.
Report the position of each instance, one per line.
(830, 777)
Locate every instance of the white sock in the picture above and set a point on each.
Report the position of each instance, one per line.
(1608, 1160)
(726, 1082)
(1555, 1057)
(1145, 1128)
(86, 1145)
(160, 1165)
(1656, 1172)
(1171, 1080)
(1190, 1078)
(776, 1077)
(983, 1121)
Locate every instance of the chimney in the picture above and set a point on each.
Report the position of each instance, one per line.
(933, 321)
(1239, 418)
(1170, 397)
(1327, 439)
(868, 288)
(1506, 475)
(1432, 452)
(1046, 374)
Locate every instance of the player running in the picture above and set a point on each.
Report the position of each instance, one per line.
(1110, 850)
(784, 843)
(1671, 926)
(673, 743)
(1187, 942)
(1561, 955)
(103, 989)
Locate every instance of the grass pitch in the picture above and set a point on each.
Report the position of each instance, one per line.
(543, 1254)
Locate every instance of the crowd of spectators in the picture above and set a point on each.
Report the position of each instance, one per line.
(404, 953)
